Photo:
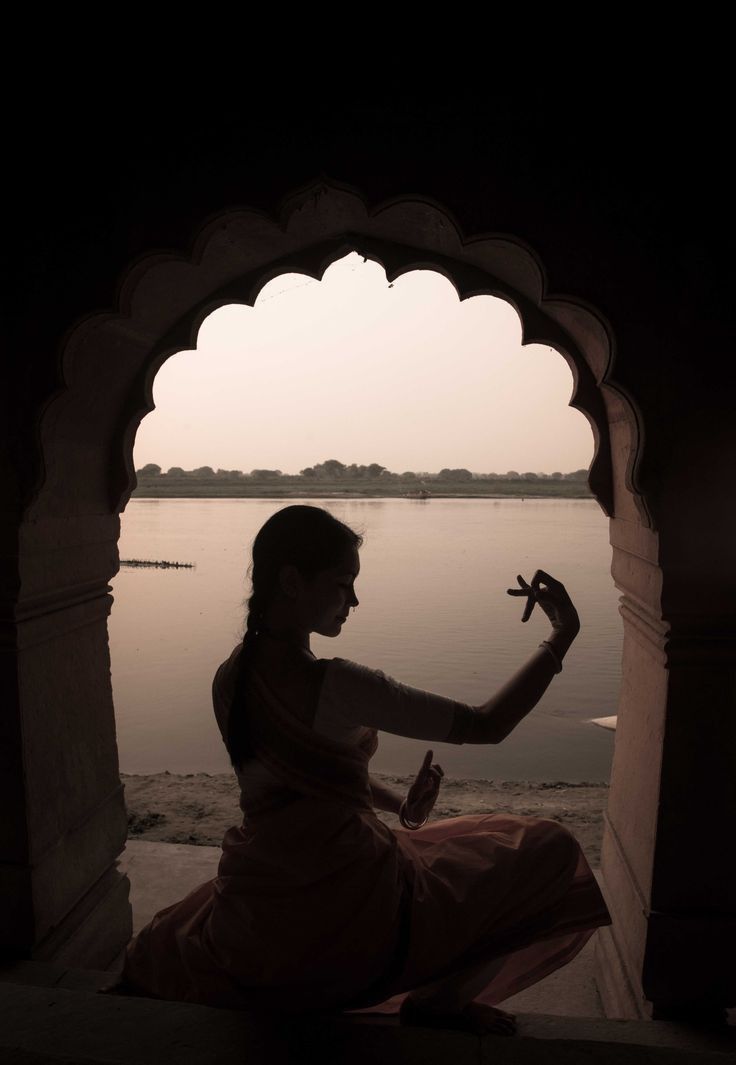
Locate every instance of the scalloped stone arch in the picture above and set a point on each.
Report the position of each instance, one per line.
(68, 553)
(110, 360)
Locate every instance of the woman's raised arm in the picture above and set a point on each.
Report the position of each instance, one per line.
(353, 695)
(499, 715)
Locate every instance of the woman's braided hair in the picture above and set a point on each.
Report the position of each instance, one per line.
(309, 538)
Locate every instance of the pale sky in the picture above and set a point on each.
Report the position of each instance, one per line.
(353, 369)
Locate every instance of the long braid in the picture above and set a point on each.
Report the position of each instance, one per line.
(238, 739)
(255, 616)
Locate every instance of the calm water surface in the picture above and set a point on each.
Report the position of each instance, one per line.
(433, 613)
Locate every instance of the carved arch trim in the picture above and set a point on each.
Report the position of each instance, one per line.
(111, 359)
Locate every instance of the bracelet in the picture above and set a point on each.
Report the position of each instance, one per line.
(405, 820)
(555, 657)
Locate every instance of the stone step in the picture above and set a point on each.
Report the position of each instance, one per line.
(53, 1015)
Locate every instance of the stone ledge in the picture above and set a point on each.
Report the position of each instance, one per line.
(52, 1014)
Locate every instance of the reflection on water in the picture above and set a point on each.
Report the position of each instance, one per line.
(433, 613)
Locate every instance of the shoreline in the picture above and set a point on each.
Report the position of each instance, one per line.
(179, 493)
(292, 488)
(198, 808)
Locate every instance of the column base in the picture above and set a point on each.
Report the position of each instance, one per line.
(96, 930)
(618, 998)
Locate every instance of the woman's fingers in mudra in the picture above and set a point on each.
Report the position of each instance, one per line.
(531, 596)
(433, 771)
(427, 784)
(430, 785)
(428, 770)
(542, 588)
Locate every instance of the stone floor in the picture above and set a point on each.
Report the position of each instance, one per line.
(54, 1015)
(51, 1015)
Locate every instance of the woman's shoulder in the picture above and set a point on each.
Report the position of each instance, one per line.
(341, 666)
(346, 675)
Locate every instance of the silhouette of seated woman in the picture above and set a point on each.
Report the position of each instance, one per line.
(317, 904)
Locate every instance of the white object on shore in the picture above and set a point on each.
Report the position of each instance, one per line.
(604, 722)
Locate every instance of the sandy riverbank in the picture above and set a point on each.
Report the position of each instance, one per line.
(198, 808)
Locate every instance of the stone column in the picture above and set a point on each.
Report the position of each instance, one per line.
(64, 821)
(668, 857)
(631, 818)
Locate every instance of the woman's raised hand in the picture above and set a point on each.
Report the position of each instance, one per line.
(424, 791)
(554, 601)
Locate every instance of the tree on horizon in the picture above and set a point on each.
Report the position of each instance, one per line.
(334, 470)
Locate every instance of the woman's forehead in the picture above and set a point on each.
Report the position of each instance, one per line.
(349, 562)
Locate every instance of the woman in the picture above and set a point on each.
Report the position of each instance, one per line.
(317, 903)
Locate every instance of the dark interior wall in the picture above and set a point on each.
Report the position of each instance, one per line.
(626, 203)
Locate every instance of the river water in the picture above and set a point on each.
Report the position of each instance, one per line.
(433, 613)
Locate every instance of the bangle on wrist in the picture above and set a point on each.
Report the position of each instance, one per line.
(553, 654)
(413, 825)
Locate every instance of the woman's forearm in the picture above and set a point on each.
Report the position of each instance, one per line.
(500, 714)
(383, 797)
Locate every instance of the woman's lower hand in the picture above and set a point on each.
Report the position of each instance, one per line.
(424, 791)
(552, 597)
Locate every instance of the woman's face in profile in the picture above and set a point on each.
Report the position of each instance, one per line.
(329, 595)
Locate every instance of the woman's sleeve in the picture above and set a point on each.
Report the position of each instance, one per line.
(368, 697)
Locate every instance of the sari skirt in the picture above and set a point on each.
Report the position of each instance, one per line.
(318, 905)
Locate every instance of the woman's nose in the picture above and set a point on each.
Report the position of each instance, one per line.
(355, 599)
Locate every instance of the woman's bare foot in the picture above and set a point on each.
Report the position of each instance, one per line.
(475, 1017)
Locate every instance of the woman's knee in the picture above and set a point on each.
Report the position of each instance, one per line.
(558, 843)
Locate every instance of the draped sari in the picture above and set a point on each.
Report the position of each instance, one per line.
(317, 904)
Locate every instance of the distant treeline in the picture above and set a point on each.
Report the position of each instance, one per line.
(333, 471)
(333, 478)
